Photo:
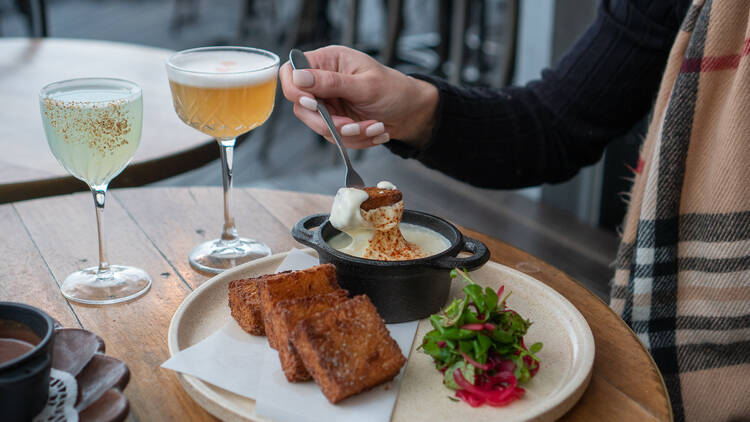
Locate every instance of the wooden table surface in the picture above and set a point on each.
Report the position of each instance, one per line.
(27, 167)
(43, 240)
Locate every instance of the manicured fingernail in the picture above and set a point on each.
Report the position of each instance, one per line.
(375, 129)
(350, 129)
(381, 139)
(308, 103)
(302, 78)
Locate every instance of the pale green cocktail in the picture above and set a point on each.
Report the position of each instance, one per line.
(93, 127)
(93, 132)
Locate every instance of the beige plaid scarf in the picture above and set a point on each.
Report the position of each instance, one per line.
(682, 278)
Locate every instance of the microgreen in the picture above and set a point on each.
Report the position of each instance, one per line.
(478, 337)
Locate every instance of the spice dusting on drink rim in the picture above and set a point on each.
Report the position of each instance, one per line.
(101, 125)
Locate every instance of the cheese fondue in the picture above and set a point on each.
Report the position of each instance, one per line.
(429, 241)
(377, 233)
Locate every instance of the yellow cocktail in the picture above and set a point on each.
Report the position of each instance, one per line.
(224, 92)
(224, 112)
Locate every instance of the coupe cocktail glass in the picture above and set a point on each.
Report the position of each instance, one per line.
(224, 92)
(93, 127)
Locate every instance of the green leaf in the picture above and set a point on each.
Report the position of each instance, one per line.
(456, 313)
(435, 321)
(521, 372)
(454, 333)
(466, 347)
(467, 370)
(503, 336)
(471, 318)
(484, 341)
(476, 351)
(431, 348)
(505, 298)
(536, 347)
(503, 350)
(490, 299)
(474, 291)
(432, 335)
(463, 273)
(481, 345)
(451, 309)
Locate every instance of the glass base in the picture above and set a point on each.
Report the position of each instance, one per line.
(216, 256)
(126, 283)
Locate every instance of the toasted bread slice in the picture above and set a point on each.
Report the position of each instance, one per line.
(347, 349)
(285, 317)
(244, 304)
(380, 198)
(317, 280)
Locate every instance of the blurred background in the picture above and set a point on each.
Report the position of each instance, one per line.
(490, 43)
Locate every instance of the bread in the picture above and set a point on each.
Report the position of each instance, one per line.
(320, 279)
(244, 303)
(380, 198)
(285, 317)
(347, 349)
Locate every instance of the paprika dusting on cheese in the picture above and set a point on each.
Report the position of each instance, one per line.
(371, 217)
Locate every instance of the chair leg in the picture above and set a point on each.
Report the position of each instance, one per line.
(35, 12)
(41, 13)
(511, 41)
(349, 35)
(458, 31)
(291, 39)
(395, 25)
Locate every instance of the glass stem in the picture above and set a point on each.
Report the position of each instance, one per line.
(100, 194)
(229, 233)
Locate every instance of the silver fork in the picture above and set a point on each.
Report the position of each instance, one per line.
(353, 179)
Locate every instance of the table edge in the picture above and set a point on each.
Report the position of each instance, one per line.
(142, 171)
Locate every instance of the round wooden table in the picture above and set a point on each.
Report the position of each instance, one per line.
(27, 167)
(154, 228)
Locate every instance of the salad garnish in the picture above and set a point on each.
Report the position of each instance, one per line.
(477, 343)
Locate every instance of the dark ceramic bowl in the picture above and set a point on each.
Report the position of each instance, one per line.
(401, 290)
(24, 381)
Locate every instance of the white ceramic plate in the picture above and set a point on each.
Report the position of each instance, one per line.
(567, 356)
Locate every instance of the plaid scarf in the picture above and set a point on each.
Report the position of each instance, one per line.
(682, 278)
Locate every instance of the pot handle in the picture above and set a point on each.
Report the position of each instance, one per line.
(301, 231)
(480, 255)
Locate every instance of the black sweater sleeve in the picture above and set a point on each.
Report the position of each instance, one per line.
(547, 130)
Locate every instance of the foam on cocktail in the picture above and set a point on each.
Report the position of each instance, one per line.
(223, 93)
(222, 69)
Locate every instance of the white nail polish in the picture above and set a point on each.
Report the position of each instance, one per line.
(308, 103)
(381, 139)
(303, 78)
(375, 129)
(350, 129)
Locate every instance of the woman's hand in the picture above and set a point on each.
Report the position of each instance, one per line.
(369, 103)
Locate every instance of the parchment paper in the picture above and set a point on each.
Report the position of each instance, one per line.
(244, 364)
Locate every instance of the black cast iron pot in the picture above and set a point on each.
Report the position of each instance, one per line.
(401, 290)
(24, 381)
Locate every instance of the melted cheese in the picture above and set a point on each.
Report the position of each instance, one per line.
(386, 185)
(429, 241)
(345, 213)
(376, 234)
